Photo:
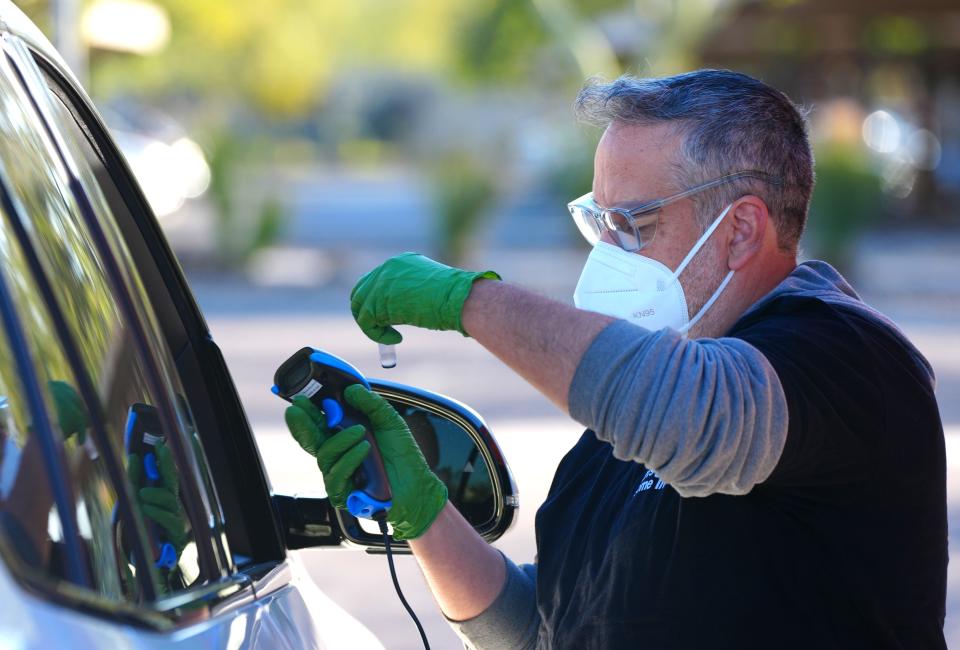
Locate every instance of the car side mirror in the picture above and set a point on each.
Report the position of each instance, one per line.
(457, 446)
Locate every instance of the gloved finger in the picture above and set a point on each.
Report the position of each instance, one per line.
(331, 450)
(382, 415)
(134, 470)
(340, 475)
(169, 474)
(71, 411)
(303, 429)
(364, 312)
(376, 330)
(171, 523)
(311, 409)
(160, 497)
(385, 335)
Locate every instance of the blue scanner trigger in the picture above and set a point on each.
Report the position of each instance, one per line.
(168, 556)
(361, 504)
(333, 411)
(150, 467)
(275, 389)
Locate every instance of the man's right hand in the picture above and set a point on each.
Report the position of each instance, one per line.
(418, 495)
(411, 289)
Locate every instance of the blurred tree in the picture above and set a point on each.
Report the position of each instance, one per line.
(281, 56)
(846, 198)
(463, 190)
(511, 41)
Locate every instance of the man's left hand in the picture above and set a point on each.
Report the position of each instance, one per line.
(71, 412)
(411, 289)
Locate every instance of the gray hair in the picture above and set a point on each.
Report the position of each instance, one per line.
(729, 122)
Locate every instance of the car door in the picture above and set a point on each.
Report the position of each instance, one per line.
(231, 502)
(106, 347)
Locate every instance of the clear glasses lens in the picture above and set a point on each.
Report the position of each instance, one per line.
(586, 222)
(623, 231)
(645, 228)
(630, 232)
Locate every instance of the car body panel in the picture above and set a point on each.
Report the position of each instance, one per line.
(280, 620)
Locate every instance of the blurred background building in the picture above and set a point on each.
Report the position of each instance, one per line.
(288, 146)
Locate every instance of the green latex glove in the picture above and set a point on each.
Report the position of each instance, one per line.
(411, 289)
(71, 411)
(418, 495)
(161, 504)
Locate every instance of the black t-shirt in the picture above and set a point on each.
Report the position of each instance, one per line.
(843, 546)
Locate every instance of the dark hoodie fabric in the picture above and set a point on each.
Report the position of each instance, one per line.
(781, 487)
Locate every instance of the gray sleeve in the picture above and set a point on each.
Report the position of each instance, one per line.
(707, 415)
(512, 621)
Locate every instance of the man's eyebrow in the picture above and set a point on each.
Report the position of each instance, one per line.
(628, 204)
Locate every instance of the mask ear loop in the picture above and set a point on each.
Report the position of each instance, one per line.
(686, 260)
(703, 238)
(709, 303)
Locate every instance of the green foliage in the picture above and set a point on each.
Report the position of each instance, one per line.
(896, 35)
(463, 190)
(846, 198)
(280, 56)
(223, 156)
(571, 173)
(501, 41)
(239, 235)
(268, 226)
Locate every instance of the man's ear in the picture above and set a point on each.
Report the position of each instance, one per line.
(750, 221)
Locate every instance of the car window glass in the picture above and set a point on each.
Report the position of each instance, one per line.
(110, 358)
(22, 476)
(29, 519)
(78, 149)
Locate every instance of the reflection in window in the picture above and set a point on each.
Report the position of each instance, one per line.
(78, 148)
(30, 520)
(110, 359)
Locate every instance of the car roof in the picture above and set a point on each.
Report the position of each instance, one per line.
(14, 21)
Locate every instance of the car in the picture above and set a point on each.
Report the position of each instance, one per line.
(134, 507)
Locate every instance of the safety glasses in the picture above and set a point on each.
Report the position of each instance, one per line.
(634, 228)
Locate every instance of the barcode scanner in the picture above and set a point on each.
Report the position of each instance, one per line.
(141, 436)
(322, 377)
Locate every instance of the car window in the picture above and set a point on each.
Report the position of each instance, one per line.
(29, 517)
(233, 467)
(31, 523)
(111, 360)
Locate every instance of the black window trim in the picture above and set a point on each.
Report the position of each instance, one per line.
(199, 343)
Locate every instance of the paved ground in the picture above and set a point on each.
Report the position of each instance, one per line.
(258, 327)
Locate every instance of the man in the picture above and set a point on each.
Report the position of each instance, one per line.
(764, 465)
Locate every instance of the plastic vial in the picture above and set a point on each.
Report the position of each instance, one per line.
(388, 355)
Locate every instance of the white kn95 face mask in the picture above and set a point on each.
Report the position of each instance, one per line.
(639, 289)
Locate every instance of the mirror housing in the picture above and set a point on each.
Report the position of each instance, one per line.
(459, 448)
(307, 522)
